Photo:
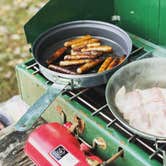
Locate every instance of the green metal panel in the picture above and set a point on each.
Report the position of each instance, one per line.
(143, 18)
(59, 11)
(162, 30)
(139, 17)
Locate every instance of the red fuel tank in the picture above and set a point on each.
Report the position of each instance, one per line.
(53, 145)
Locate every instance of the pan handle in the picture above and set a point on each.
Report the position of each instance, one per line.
(36, 110)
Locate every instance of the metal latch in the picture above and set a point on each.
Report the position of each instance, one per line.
(78, 126)
(62, 114)
(99, 142)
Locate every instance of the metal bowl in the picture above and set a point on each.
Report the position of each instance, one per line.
(142, 74)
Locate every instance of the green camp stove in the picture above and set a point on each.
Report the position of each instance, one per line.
(89, 106)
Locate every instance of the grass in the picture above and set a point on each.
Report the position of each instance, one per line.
(13, 46)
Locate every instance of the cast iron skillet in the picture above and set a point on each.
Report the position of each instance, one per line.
(142, 74)
(54, 38)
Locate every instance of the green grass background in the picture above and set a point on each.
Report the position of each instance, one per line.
(13, 47)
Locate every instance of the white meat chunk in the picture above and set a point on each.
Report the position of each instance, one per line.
(127, 101)
(163, 91)
(153, 94)
(145, 110)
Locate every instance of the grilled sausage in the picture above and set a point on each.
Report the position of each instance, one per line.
(84, 43)
(113, 63)
(77, 57)
(79, 48)
(73, 62)
(94, 44)
(56, 55)
(84, 68)
(95, 53)
(122, 58)
(72, 52)
(105, 64)
(60, 69)
(106, 49)
(77, 40)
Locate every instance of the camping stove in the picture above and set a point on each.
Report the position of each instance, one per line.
(88, 106)
(97, 122)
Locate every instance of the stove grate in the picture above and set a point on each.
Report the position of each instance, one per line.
(104, 113)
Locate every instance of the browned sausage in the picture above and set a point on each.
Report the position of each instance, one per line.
(79, 48)
(94, 44)
(95, 53)
(72, 52)
(77, 57)
(113, 63)
(122, 58)
(73, 62)
(84, 68)
(60, 69)
(56, 55)
(105, 64)
(84, 43)
(106, 49)
(77, 40)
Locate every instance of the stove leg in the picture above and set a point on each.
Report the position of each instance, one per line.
(113, 158)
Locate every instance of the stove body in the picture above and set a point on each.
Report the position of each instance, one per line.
(89, 105)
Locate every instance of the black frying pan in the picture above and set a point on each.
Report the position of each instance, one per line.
(53, 39)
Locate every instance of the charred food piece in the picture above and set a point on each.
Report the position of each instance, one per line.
(77, 40)
(56, 55)
(84, 43)
(60, 69)
(96, 53)
(113, 63)
(94, 44)
(106, 49)
(86, 67)
(122, 58)
(105, 64)
(79, 48)
(73, 62)
(86, 46)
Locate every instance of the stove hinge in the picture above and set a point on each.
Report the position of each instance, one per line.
(116, 18)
